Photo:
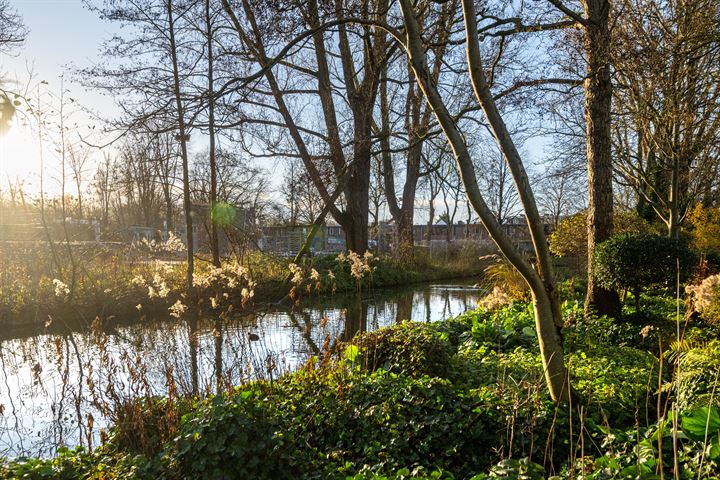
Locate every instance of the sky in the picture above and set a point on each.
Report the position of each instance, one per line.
(61, 33)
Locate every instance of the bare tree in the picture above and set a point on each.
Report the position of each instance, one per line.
(78, 155)
(12, 36)
(300, 195)
(541, 281)
(148, 71)
(451, 189)
(416, 119)
(104, 186)
(667, 127)
(496, 180)
(558, 194)
(352, 60)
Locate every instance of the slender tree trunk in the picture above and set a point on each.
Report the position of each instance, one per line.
(73, 266)
(674, 216)
(357, 199)
(214, 245)
(541, 282)
(431, 210)
(183, 138)
(598, 97)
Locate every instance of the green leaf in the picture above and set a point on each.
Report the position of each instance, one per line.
(701, 423)
(351, 353)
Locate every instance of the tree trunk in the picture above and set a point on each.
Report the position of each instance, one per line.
(183, 138)
(547, 313)
(598, 96)
(214, 246)
(357, 190)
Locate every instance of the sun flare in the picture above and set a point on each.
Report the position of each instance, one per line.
(19, 158)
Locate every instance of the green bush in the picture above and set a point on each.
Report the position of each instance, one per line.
(238, 436)
(697, 375)
(636, 262)
(410, 348)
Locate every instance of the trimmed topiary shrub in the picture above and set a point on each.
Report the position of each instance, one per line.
(635, 262)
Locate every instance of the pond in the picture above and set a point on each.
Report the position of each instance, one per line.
(59, 387)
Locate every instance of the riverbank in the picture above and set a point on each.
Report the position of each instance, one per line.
(462, 398)
(107, 282)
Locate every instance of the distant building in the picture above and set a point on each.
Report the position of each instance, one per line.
(288, 239)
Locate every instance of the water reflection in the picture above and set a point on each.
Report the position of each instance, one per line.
(58, 388)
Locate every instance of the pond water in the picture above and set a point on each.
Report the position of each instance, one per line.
(59, 387)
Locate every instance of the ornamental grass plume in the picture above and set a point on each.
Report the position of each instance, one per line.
(496, 299)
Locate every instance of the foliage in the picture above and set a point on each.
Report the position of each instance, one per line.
(572, 290)
(522, 469)
(462, 398)
(70, 464)
(705, 228)
(697, 363)
(236, 436)
(582, 332)
(408, 348)
(570, 237)
(616, 381)
(502, 329)
(639, 261)
(644, 452)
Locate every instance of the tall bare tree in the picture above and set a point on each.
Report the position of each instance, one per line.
(416, 119)
(12, 36)
(667, 127)
(147, 71)
(351, 59)
(12, 29)
(541, 281)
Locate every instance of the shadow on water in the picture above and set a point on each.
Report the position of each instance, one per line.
(57, 387)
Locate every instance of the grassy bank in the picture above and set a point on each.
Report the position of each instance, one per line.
(463, 398)
(85, 281)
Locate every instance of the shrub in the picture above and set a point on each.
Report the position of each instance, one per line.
(644, 452)
(409, 348)
(615, 381)
(234, 437)
(696, 377)
(570, 236)
(635, 262)
(506, 281)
